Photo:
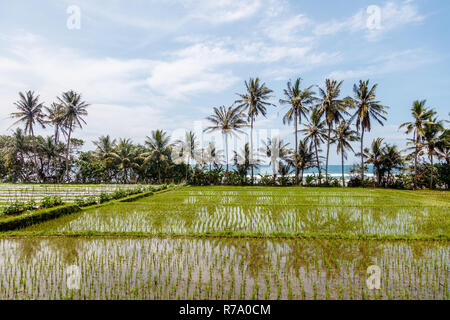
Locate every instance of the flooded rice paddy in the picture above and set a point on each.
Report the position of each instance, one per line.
(268, 211)
(221, 269)
(225, 243)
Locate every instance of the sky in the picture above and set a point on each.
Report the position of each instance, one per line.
(145, 65)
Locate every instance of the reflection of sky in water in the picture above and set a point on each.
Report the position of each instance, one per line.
(263, 211)
(117, 268)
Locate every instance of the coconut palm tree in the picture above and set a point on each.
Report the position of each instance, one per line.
(392, 159)
(126, 157)
(276, 150)
(376, 156)
(159, 144)
(333, 109)
(298, 99)
(55, 117)
(254, 102)
(229, 121)
(343, 135)
(212, 155)
(74, 109)
(106, 153)
(303, 158)
(421, 115)
(315, 134)
(430, 141)
(367, 108)
(443, 146)
(186, 149)
(29, 113)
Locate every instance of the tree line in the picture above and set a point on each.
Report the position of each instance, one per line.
(320, 118)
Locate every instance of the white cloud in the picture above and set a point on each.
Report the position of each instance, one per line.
(394, 62)
(222, 11)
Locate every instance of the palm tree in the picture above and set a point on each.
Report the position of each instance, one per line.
(315, 133)
(376, 157)
(431, 140)
(276, 150)
(29, 113)
(126, 156)
(333, 109)
(298, 99)
(229, 122)
(343, 136)
(392, 159)
(303, 158)
(212, 155)
(159, 144)
(186, 148)
(367, 108)
(55, 117)
(443, 146)
(254, 102)
(74, 111)
(106, 152)
(420, 114)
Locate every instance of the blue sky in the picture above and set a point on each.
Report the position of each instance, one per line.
(164, 64)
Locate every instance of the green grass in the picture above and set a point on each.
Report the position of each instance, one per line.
(268, 212)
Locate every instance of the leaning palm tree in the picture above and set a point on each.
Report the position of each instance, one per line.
(29, 113)
(298, 100)
(430, 141)
(367, 108)
(315, 134)
(229, 121)
(343, 135)
(74, 109)
(159, 144)
(254, 102)
(333, 108)
(421, 115)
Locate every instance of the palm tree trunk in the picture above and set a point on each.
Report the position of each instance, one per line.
(34, 154)
(187, 169)
(317, 159)
(342, 164)
(432, 167)
(251, 146)
(328, 152)
(296, 148)
(67, 153)
(226, 151)
(415, 160)
(159, 174)
(362, 155)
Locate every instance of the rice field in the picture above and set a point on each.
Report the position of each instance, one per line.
(267, 212)
(220, 269)
(10, 193)
(238, 243)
